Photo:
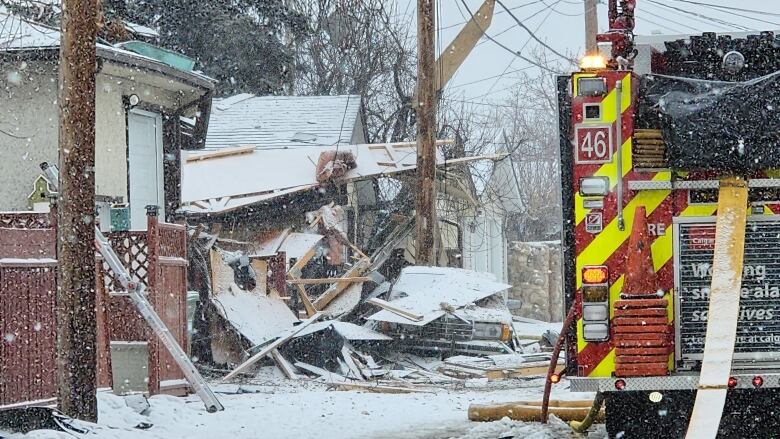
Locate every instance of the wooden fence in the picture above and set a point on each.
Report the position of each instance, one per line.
(28, 288)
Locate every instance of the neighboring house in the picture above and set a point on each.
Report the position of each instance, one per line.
(141, 104)
(272, 122)
(485, 239)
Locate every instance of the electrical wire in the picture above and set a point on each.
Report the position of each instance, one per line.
(503, 46)
(729, 8)
(702, 16)
(676, 31)
(516, 25)
(541, 23)
(533, 35)
(496, 13)
(733, 11)
(491, 77)
(577, 14)
(645, 11)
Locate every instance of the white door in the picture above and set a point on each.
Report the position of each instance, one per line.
(145, 166)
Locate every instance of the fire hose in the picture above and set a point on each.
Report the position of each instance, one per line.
(567, 323)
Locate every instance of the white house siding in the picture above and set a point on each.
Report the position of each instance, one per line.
(28, 119)
(29, 110)
(484, 245)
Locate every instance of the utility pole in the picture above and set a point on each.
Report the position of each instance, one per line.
(76, 314)
(591, 27)
(425, 253)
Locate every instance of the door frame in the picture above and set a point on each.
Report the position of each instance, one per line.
(159, 163)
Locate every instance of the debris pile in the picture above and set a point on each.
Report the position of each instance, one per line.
(314, 305)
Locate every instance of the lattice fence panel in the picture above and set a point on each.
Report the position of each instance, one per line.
(25, 220)
(133, 250)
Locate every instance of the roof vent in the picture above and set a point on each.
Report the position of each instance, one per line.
(303, 137)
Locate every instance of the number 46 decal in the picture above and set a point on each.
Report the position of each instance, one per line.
(594, 144)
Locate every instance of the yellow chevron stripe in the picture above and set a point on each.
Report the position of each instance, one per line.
(610, 239)
(605, 367)
(662, 251)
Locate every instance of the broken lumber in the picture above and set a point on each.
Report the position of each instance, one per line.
(531, 411)
(330, 280)
(224, 152)
(352, 365)
(335, 290)
(271, 346)
(376, 388)
(328, 375)
(287, 369)
(395, 310)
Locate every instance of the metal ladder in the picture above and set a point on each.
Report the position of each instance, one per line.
(136, 291)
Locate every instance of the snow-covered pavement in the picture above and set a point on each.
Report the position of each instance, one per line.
(286, 409)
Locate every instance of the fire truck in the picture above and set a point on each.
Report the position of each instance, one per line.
(651, 137)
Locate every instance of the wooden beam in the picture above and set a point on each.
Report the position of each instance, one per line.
(307, 305)
(456, 52)
(336, 289)
(225, 152)
(395, 310)
(287, 369)
(439, 142)
(376, 388)
(271, 346)
(330, 280)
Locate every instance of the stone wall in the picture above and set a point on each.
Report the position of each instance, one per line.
(535, 275)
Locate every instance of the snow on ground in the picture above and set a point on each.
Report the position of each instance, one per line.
(287, 409)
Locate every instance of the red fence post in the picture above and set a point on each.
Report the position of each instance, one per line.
(153, 243)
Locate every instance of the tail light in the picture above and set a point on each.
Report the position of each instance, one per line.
(732, 382)
(506, 333)
(620, 384)
(555, 378)
(758, 381)
(595, 275)
(595, 303)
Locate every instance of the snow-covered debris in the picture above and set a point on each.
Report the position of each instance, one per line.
(431, 291)
(349, 331)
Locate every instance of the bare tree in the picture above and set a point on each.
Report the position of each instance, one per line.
(529, 117)
(364, 48)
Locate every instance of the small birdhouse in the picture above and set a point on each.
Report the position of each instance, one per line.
(39, 199)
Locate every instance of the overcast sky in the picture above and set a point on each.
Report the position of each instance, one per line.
(490, 70)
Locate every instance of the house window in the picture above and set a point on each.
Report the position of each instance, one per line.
(145, 165)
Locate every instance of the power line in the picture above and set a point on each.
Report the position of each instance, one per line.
(662, 26)
(728, 8)
(532, 34)
(523, 47)
(491, 77)
(497, 13)
(577, 14)
(644, 11)
(515, 25)
(503, 46)
(733, 11)
(702, 16)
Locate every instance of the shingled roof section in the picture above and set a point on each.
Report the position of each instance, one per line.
(271, 122)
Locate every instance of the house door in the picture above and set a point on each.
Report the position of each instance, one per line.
(145, 166)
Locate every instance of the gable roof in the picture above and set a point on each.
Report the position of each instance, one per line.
(18, 34)
(271, 122)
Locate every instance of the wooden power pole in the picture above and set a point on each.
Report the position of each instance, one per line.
(426, 135)
(591, 27)
(76, 315)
